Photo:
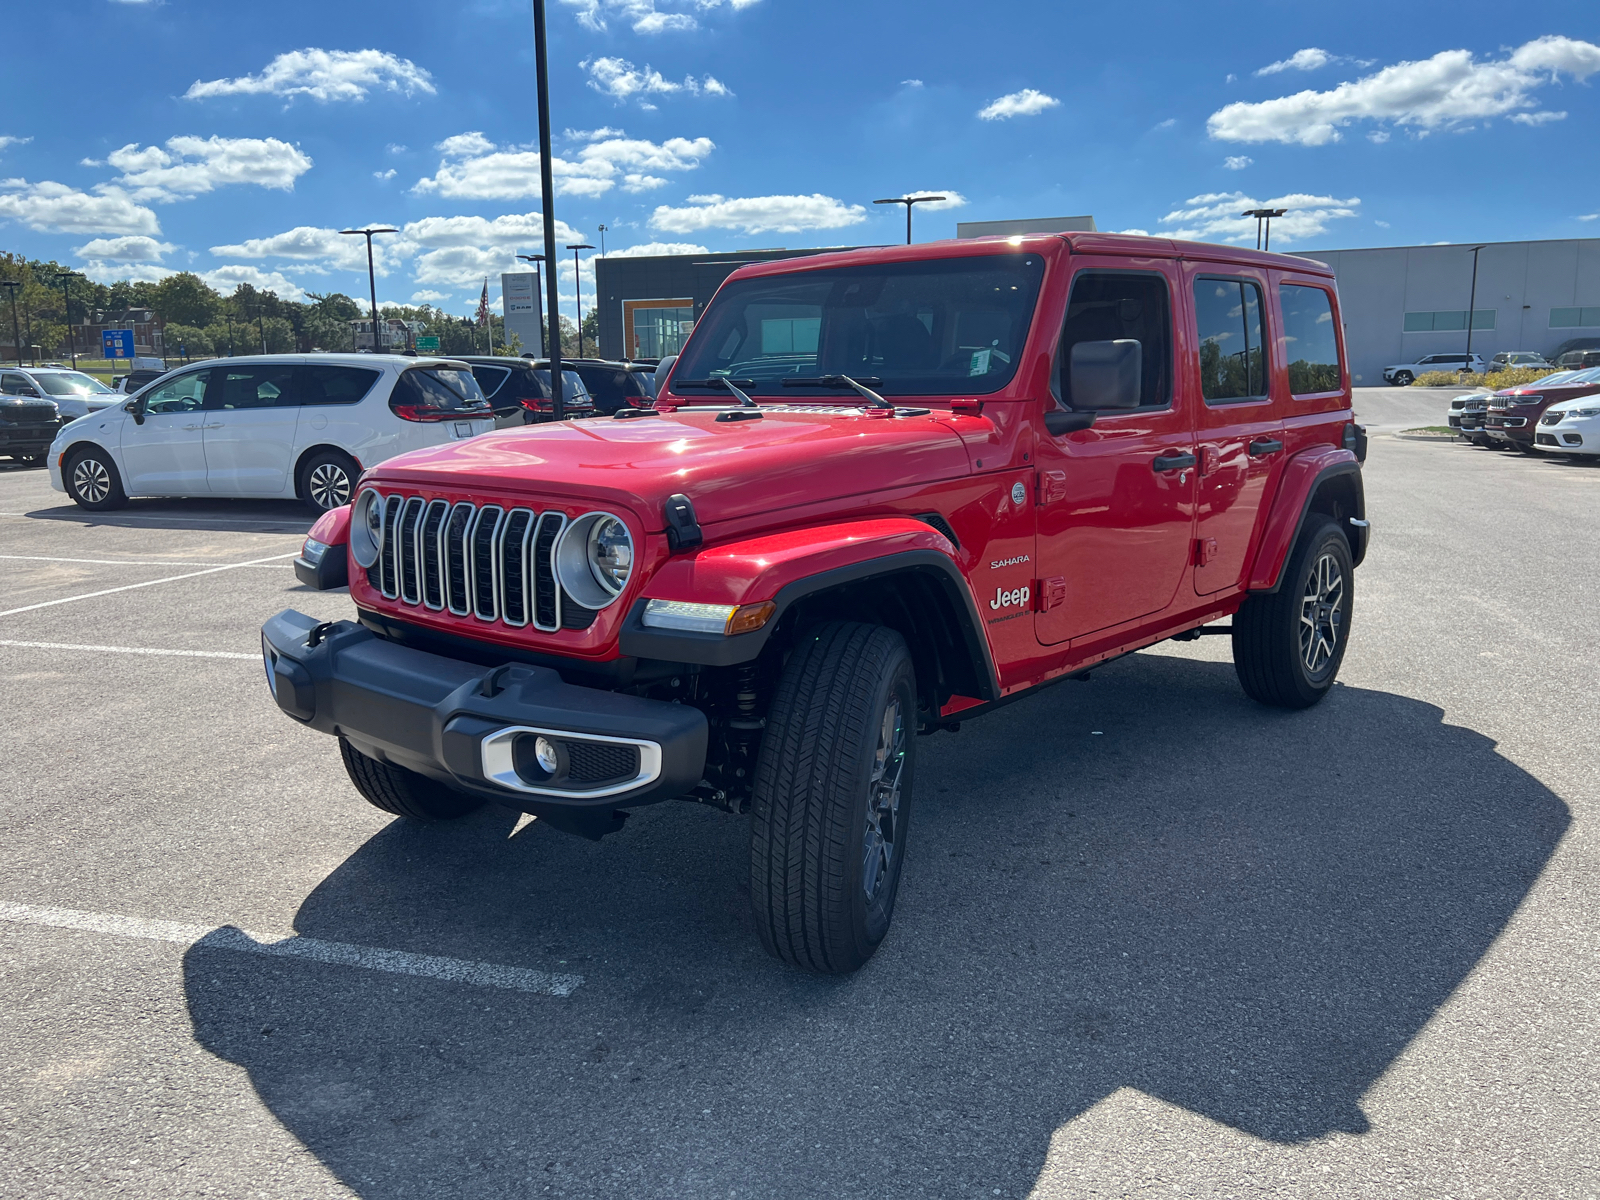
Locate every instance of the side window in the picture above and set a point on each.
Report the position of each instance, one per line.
(1114, 305)
(1232, 362)
(186, 393)
(321, 384)
(14, 385)
(253, 387)
(490, 379)
(1310, 343)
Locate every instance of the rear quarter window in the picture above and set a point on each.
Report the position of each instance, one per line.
(327, 384)
(1311, 343)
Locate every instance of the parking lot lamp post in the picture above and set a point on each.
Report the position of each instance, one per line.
(16, 333)
(908, 201)
(65, 278)
(577, 287)
(547, 207)
(536, 259)
(1472, 308)
(372, 278)
(602, 241)
(1264, 215)
(228, 316)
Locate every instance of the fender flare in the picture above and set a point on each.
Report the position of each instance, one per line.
(872, 549)
(1303, 478)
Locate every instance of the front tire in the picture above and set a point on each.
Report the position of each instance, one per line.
(328, 480)
(1403, 378)
(832, 797)
(1288, 644)
(401, 792)
(93, 482)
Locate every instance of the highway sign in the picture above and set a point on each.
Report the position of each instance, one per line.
(428, 343)
(118, 342)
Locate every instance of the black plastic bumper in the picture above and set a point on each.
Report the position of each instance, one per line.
(456, 722)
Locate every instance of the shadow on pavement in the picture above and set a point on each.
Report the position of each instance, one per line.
(1246, 913)
(220, 514)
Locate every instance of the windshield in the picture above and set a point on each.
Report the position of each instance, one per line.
(1552, 380)
(573, 389)
(70, 383)
(939, 327)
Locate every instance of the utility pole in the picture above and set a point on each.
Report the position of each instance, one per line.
(908, 201)
(16, 333)
(547, 201)
(577, 288)
(372, 281)
(1472, 306)
(65, 278)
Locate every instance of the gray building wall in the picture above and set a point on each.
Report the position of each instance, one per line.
(1520, 281)
(972, 229)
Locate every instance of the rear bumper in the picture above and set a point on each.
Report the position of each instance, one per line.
(475, 729)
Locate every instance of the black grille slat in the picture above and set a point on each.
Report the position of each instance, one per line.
(388, 572)
(410, 517)
(455, 560)
(574, 615)
(514, 566)
(432, 525)
(546, 595)
(485, 603)
(600, 762)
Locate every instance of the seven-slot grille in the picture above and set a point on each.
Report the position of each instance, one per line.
(494, 563)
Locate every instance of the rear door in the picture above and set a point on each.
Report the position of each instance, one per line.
(1238, 424)
(165, 454)
(250, 416)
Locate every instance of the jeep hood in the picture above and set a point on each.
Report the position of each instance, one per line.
(728, 468)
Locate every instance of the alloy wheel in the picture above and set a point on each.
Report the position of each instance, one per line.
(880, 838)
(329, 485)
(91, 480)
(1321, 614)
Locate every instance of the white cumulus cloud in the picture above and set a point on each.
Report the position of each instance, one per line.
(648, 249)
(455, 251)
(475, 168)
(323, 75)
(103, 271)
(952, 199)
(1445, 91)
(621, 80)
(1026, 103)
(1237, 162)
(757, 214)
(1215, 217)
(226, 279)
(1309, 59)
(644, 16)
(135, 249)
(7, 141)
(425, 296)
(192, 166)
(51, 207)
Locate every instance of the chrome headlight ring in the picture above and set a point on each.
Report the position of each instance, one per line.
(594, 559)
(366, 528)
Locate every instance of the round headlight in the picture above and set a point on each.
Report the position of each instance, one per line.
(366, 528)
(594, 559)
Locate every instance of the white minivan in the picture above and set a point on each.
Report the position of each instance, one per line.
(268, 426)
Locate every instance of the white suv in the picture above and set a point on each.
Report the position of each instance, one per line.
(1403, 374)
(1570, 427)
(273, 425)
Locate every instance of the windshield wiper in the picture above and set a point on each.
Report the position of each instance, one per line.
(842, 381)
(722, 382)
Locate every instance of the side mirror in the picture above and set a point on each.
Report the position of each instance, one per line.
(135, 409)
(1106, 374)
(1058, 422)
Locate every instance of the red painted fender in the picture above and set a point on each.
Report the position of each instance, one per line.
(1302, 476)
(332, 527)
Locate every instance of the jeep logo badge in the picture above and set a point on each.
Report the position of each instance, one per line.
(1003, 599)
(1018, 493)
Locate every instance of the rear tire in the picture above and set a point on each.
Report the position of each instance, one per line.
(92, 481)
(328, 480)
(1288, 644)
(832, 797)
(404, 793)
(1403, 378)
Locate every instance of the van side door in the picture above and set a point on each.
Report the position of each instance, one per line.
(250, 416)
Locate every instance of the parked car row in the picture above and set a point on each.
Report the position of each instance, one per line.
(1405, 374)
(1556, 414)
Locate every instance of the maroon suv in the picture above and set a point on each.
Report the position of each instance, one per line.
(1515, 411)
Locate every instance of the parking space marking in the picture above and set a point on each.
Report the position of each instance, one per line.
(128, 587)
(129, 650)
(128, 521)
(129, 562)
(343, 954)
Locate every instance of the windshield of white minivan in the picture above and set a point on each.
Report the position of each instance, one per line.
(70, 383)
(938, 327)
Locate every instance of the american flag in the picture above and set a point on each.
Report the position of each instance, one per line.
(483, 305)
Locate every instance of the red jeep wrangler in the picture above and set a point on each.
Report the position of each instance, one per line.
(882, 492)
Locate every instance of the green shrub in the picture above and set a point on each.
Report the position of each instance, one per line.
(1494, 381)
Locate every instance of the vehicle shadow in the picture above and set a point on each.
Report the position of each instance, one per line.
(205, 514)
(1140, 881)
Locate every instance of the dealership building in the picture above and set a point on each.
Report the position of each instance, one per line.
(1399, 302)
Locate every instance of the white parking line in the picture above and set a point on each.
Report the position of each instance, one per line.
(128, 587)
(124, 518)
(343, 954)
(128, 562)
(129, 650)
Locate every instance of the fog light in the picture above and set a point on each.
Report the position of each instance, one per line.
(544, 751)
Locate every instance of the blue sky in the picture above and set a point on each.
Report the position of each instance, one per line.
(234, 140)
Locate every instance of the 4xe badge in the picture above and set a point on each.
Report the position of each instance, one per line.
(1018, 493)
(1004, 599)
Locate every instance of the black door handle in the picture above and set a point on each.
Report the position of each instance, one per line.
(1265, 446)
(1173, 462)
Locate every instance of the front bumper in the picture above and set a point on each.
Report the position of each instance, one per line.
(27, 440)
(475, 729)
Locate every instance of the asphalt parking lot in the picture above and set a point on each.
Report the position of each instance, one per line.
(1152, 939)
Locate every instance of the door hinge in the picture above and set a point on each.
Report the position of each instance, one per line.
(1052, 592)
(1205, 549)
(1052, 486)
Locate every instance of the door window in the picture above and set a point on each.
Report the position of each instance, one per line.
(1114, 305)
(254, 387)
(323, 384)
(490, 379)
(15, 385)
(186, 393)
(1232, 361)
(1311, 346)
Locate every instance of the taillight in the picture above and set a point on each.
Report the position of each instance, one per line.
(426, 412)
(534, 405)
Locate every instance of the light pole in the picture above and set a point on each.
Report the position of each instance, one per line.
(372, 279)
(536, 259)
(908, 201)
(602, 241)
(547, 204)
(577, 288)
(65, 278)
(1263, 214)
(1472, 306)
(16, 334)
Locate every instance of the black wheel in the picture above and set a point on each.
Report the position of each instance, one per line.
(33, 460)
(92, 480)
(404, 793)
(328, 480)
(1403, 378)
(832, 797)
(1287, 645)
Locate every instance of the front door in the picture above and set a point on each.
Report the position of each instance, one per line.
(1239, 428)
(250, 418)
(1116, 501)
(165, 455)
